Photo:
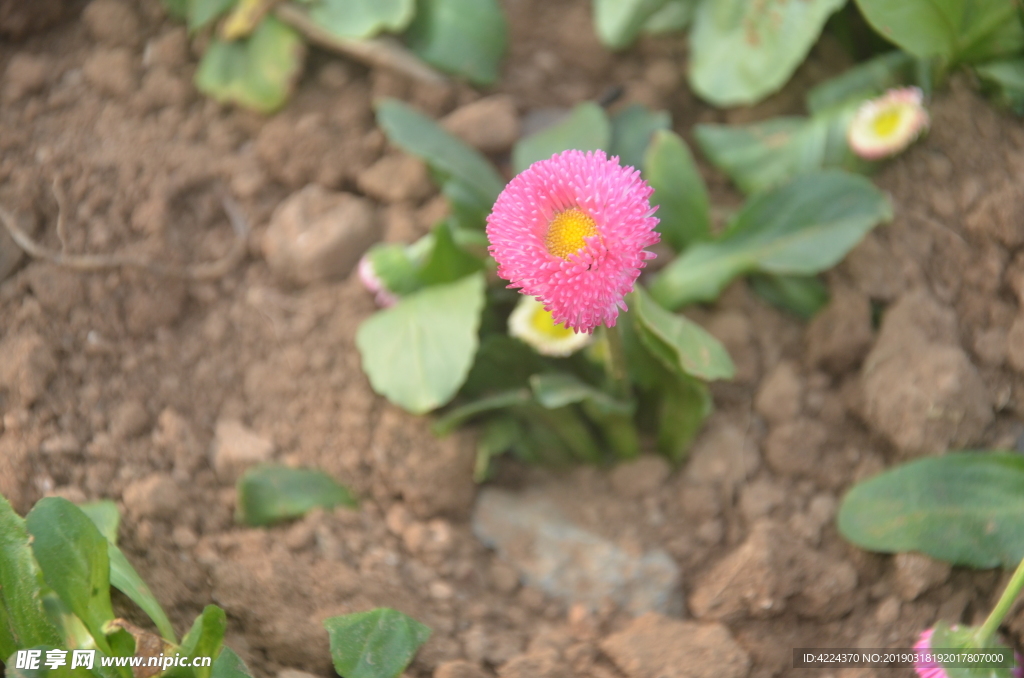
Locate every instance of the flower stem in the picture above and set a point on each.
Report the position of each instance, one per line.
(617, 366)
(995, 618)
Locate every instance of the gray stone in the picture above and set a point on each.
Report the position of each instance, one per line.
(569, 562)
(316, 234)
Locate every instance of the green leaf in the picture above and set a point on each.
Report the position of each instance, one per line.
(271, 493)
(801, 295)
(968, 31)
(764, 155)
(176, 8)
(72, 555)
(125, 579)
(586, 128)
(447, 261)
(618, 22)
(204, 639)
(418, 352)
(465, 37)
(554, 390)
(257, 72)
(23, 621)
(802, 228)
(741, 51)
(105, 516)
(501, 364)
(965, 638)
(571, 433)
(632, 129)
(463, 413)
(684, 404)
(1005, 81)
(229, 665)
(679, 191)
(395, 268)
(963, 508)
(203, 12)
(690, 348)
(500, 435)
(674, 16)
(863, 81)
(375, 644)
(412, 131)
(355, 19)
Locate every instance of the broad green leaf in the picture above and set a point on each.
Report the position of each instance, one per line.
(416, 133)
(1005, 81)
(801, 295)
(679, 191)
(674, 16)
(257, 72)
(802, 228)
(105, 516)
(22, 617)
(229, 665)
(586, 128)
(632, 129)
(356, 19)
(72, 555)
(467, 212)
(463, 413)
(375, 644)
(418, 352)
(963, 508)
(447, 261)
(558, 389)
(863, 81)
(571, 432)
(691, 349)
(955, 30)
(683, 406)
(501, 364)
(270, 493)
(764, 155)
(125, 579)
(618, 22)
(204, 639)
(465, 37)
(202, 12)
(395, 268)
(741, 51)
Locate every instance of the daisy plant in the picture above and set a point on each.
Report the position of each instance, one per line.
(530, 309)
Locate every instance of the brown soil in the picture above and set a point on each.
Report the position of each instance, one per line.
(112, 384)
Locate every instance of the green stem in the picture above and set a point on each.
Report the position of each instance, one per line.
(995, 618)
(618, 370)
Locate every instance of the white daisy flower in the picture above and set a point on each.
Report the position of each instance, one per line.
(885, 126)
(530, 323)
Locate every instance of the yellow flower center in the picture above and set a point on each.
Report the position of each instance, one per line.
(566, 232)
(886, 122)
(545, 325)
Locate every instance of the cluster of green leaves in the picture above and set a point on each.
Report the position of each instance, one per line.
(445, 341)
(742, 51)
(257, 51)
(963, 508)
(58, 564)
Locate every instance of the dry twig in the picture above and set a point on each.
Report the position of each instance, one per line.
(102, 262)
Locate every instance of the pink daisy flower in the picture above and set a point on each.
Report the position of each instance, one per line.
(571, 231)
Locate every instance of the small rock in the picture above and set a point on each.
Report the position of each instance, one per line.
(112, 22)
(544, 664)
(155, 496)
(161, 88)
(61, 444)
(839, 337)
(317, 235)
(916, 573)
(174, 434)
(723, 454)
(1015, 344)
(237, 447)
(57, 289)
(794, 448)
(168, 50)
(27, 366)
(490, 124)
(459, 669)
(396, 177)
(25, 74)
(184, 537)
(699, 502)
(653, 646)
(888, 611)
(640, 478)
(111, 71)
(998, 214)
(568, 562)
(781, 394)
(129, 420)
(760, 498)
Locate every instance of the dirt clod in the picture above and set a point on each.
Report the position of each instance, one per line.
(916, 573)
(794, 448)
(639, 478)
(459, 669)
(237, 447)
(396, 177)
(155, 496)
(490, 124)
(839, 336)
(27, 366)
(111, 71)
(112, 22)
